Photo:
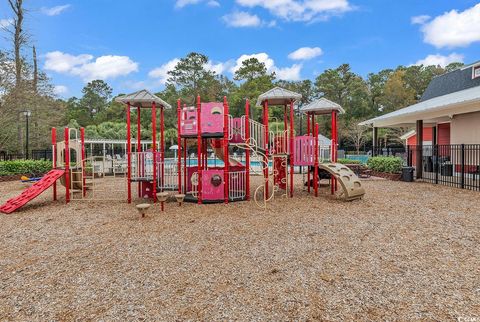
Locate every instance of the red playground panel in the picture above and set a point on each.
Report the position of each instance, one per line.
(304, 150)
(32, 192)
(189, 121)
(238, 130)
(280, 173)
(211, 119)
(213, 185)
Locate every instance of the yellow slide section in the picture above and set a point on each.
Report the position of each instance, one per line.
(351, 185)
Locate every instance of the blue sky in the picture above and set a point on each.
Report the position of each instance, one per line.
(131, 44)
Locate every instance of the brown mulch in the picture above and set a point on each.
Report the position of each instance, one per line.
(15, 177)
(407, 251)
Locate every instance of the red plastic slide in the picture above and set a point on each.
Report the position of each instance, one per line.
(32, 192)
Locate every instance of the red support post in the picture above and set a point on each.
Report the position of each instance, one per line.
(139, 148)
(315, 171)
(54, 159)
(335, 116)
(247, 151)
(185, 164)
(162, 151)
(129, 156)
(162, 145)
(292, 151)
(334, 135)
(67, 164)
(179, 145)
(334, 149)
(199, 150)
(308, 167)
(315, 136)
(154, 152)
(265, 122)
(313, 124)
(225, 149)
(82, 140)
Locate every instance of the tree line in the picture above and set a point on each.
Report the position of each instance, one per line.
(24, 86)
(362, 98)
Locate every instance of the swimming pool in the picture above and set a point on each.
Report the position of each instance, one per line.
(216, 162)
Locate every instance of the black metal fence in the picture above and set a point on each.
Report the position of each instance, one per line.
(41, 155)
(390, 152)
(454, 165)
(34, 155)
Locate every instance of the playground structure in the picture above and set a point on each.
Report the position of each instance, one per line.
(206, 126)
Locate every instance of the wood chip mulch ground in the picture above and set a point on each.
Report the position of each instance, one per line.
(407, 251)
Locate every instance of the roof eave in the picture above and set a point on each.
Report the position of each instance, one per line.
(436, 112)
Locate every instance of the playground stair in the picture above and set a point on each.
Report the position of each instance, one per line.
(32, 192)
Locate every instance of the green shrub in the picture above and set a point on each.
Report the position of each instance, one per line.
(26, 167)
(348, 161)
(386, 164)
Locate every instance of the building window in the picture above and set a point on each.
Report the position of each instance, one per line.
(476, 71)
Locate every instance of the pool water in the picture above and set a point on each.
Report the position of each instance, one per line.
(219, 163)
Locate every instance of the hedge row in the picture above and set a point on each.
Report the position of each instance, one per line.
(386, 164)
(26, 167)
(348, 161)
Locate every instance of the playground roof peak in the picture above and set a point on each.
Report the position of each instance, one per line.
(322, 106)
(142, 98)
(278, 96)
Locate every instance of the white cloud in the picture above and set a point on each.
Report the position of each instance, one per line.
(285, 73)
(60, 89)
(440, 60)
(454, 28)
(420, 20)
(84, 66)
(182, 3)
(242, 19)
(4, 23)
(305, 53)
(272, 24)
(55, 11)
(162, 72)
(296, 10)
(213, 3)
(218, 68)
(261, 57)
(289, 73)
(63, 63)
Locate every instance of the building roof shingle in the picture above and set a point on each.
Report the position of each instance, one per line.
(455, 81)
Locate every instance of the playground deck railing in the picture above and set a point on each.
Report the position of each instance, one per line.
(237, 129)
(169, 180)
(237, 182)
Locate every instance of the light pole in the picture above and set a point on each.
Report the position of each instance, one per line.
(27, 114)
